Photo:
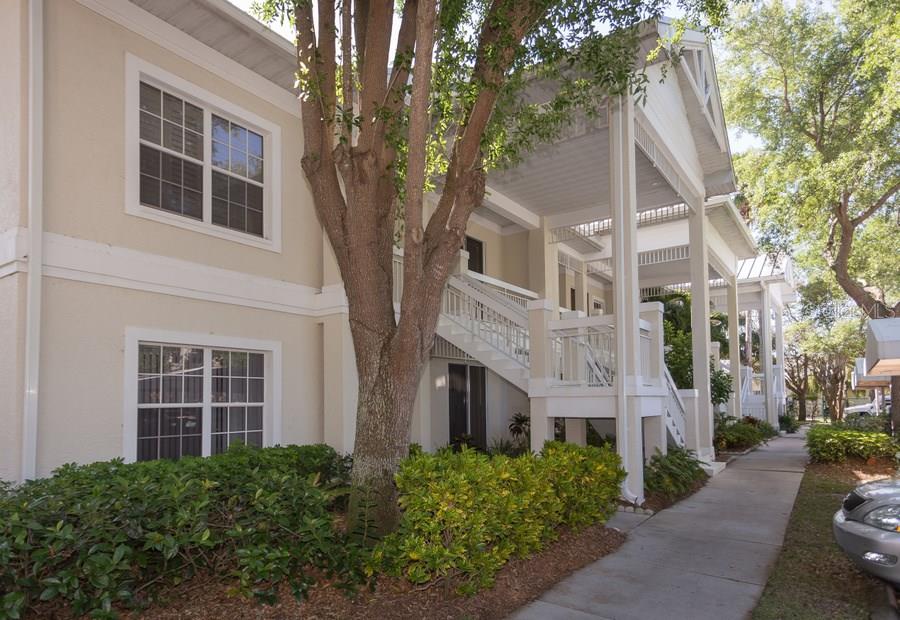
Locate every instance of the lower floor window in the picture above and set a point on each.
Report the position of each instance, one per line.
(197, 401)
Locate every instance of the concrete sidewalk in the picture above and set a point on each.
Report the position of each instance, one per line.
(706, 557)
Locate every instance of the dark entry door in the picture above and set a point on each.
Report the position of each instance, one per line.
(459, 405)
(475, 248)
(477, 414)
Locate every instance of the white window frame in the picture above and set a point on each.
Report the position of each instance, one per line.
(271, 349)
(137, 70)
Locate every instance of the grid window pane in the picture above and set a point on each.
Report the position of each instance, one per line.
(151, 128)
(193, 117)
(238, 151)
(254, 418)
(150, 99)
(255, 144)
(172, 388)
(168, 181)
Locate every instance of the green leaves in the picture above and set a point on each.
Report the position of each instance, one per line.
(818, 85)
(673, 474)
(830, 444)
(107, 534)
(465, 512)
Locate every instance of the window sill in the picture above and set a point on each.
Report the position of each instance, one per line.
(157, 215)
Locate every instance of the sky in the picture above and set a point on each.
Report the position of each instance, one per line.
(740, 141)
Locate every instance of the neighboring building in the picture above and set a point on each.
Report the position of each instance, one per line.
(166, 288)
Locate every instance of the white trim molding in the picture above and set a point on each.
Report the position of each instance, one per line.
(99, 263)
(136, 70)
(34, 287)
(274, 373)
(13, 251)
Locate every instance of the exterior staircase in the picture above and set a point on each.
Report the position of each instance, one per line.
(490, 324)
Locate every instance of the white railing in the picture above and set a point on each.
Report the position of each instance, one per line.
(494, 324)
(582, 352)
(675, 416)
(600, 266)
(645, 353)
(778, 374)
(506, 291)
(664, 255)
(746, 379)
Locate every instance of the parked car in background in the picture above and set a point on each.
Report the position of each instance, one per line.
(867, 528)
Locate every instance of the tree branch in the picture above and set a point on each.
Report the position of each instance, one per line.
(875, 206)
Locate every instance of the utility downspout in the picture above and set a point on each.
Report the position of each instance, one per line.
(35, 235)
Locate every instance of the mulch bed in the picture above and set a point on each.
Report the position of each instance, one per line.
(658, 501)
(518, 582)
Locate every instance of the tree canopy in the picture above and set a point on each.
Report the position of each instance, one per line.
(821, 88)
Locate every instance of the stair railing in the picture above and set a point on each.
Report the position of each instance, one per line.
(582, 352)
(487, 319)
(675, 416)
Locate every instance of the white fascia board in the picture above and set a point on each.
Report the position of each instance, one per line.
(147, 25)
(510, 209)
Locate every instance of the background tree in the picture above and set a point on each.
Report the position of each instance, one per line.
(797, 371)
(831, 352)
(819, 87)
(385, 123)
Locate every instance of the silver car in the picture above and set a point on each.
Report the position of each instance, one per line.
(867, 528)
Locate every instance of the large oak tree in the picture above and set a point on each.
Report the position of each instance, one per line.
(400, 100)
(819, 85)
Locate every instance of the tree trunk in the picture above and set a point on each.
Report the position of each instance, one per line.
(895, 403)
(387, 391)
(801, 406)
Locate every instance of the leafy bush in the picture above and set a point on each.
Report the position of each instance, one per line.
(870, 423)
(507, 447)
(720, 386)
(740, 434)
(468, 513)
(829, 444)
(96, 535)
(788, 423)
(674, 474)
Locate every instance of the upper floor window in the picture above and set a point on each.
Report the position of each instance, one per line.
(202, 163)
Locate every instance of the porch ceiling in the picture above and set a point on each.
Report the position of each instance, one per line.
(572, 176)
(668, 273)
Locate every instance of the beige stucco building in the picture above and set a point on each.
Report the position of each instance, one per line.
(165, 286)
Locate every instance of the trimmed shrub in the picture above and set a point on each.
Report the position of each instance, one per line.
(788, 423)
(468, 513)
(731, 434)
(92, 536)
(828, 444)
(869, 423)
(674, 474)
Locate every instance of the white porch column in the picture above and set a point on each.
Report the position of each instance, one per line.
(576, 431)
(540, 313)
(734, 348)
(543, 267)
(700, 333)
(581, 290)
(341, 383)
(626, 300)
(765, 354)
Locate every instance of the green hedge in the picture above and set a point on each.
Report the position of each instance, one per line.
(468, 513)
(109, 533)
(673, 474)
(827, 444)
(741, 433)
